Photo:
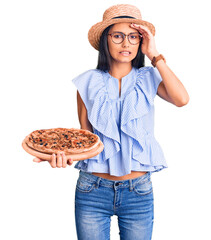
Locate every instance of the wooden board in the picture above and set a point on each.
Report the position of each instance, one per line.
(75, 157)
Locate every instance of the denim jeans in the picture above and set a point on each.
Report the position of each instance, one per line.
(97, 199)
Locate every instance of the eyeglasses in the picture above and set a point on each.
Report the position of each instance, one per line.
(119, 37)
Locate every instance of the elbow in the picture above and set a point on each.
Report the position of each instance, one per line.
(184, 102)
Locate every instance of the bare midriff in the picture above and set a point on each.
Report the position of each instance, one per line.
(133, 174)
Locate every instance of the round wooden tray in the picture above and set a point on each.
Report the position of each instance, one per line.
(75, 157)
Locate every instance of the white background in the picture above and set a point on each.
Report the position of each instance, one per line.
(43, 46)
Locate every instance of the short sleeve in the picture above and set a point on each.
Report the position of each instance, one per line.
(155, 81)
(82, 82)
(149, 79)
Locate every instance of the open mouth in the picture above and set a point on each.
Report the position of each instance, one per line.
(125, 53)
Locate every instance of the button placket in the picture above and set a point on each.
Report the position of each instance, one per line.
(117, 195)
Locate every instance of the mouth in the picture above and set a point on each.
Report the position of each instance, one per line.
(125, 53)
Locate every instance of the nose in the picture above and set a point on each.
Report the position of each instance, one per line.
(125, 42)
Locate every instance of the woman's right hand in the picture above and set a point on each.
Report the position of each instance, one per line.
(57, 160)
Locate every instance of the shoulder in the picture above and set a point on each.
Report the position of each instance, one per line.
(87, 75)
(149, 78)
(146, 71)
(149, 74)
(144, 75)
(90, 84)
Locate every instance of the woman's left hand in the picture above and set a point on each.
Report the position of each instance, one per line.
(148, 43)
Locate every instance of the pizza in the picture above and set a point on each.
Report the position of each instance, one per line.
(68, 140)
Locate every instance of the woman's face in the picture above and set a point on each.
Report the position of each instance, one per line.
(117, 49)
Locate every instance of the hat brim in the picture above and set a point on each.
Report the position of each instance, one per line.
(97, 29)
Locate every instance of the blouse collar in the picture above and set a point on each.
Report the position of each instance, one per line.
(112, 84)
(125, 77)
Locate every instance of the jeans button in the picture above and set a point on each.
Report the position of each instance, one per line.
(117, 184)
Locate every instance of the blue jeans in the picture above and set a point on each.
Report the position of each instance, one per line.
(97, 199)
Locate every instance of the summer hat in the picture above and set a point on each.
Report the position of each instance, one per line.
(117, 14)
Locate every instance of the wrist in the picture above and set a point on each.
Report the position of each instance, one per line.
(156, 59)
(154, 54)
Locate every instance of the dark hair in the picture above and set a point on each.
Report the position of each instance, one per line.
(104, 57)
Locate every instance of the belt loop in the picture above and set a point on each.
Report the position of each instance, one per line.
(97, 182)
(150, 173)
(131, 185)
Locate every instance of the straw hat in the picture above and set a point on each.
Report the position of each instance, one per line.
(117, 14)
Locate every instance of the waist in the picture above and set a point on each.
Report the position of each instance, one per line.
(133, 174)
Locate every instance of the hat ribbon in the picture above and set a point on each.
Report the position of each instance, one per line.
(123, 17)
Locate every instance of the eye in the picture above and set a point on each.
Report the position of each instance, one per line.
(117, 35)
(134, 36)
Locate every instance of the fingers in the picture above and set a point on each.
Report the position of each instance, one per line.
(70, 161)
(64, 160)
(53, 161)
(59, 160)
(142, 29)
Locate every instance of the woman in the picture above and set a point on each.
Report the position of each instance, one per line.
(116, 102)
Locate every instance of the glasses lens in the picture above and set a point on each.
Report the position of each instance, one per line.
(134, 38)
(117, 37)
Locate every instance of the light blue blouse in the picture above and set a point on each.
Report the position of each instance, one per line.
(125, 123)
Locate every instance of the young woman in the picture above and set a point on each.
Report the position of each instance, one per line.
(116, 102)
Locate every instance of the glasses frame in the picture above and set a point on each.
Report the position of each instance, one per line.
(124, 35)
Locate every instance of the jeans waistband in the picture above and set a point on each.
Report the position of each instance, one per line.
(130, 182)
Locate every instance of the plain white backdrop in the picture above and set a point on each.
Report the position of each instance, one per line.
(43, 46)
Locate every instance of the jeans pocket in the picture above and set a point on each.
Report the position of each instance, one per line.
(84, 185)
(144, 188)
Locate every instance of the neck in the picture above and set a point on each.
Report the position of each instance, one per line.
(119, 70)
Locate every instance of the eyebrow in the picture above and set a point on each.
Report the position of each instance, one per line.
(122, 32)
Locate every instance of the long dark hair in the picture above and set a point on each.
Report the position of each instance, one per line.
(104, 57)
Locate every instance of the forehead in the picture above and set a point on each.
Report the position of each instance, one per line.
(123, 27)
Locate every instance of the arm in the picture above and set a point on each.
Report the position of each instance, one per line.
(82, 114)
(170, 89)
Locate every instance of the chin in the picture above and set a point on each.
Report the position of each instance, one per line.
(126, 60)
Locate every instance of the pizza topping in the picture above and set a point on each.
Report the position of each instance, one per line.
(62, 139)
